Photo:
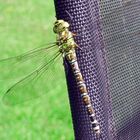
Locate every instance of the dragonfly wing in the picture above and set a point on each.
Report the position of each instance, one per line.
(14, 68)
(21, 74)
(36, 84)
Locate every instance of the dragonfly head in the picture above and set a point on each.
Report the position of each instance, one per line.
(60, 26)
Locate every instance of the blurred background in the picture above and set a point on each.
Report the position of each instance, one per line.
(25, 25)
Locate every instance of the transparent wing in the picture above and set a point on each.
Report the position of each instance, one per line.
(29, 75)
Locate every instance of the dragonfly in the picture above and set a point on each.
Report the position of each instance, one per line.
(45, 59)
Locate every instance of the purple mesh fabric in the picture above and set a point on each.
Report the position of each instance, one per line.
(120, 22)
(83, 16)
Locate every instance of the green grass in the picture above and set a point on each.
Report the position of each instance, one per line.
(24, 25)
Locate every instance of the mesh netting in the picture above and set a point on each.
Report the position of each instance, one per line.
(108, 30)
(120, 22)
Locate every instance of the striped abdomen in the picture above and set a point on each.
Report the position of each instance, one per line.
(72, 59)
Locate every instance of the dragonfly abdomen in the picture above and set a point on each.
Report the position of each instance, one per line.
(72, 59)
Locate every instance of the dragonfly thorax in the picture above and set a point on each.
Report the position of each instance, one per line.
(65, 39)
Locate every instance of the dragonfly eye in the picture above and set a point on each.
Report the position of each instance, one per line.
(60, 26)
